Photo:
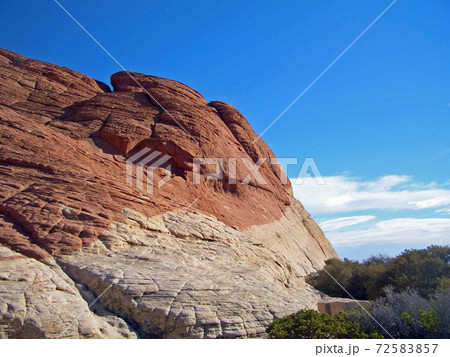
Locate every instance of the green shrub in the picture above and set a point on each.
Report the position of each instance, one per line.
(425, 270)
(311, 324)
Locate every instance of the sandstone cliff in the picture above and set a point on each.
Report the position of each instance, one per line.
(216, 259)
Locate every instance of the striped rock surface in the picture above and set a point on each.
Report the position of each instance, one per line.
(216, 258)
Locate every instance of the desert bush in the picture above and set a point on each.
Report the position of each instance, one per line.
(311, 324)
(342, 271)
(425, 270)
(441, 305)
(407, 315)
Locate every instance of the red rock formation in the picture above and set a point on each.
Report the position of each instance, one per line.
(64, 139)
(64, 143)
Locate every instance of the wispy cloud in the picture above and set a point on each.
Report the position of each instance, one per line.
(338, 223)
(346, 194)
(431, 230)
(443, 210)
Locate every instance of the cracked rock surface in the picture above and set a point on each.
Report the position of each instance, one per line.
(38, 300)
(189, 275)
(71, 225)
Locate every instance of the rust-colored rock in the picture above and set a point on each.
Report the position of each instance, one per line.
(65, 138)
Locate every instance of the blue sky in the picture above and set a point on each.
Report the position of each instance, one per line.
(376, 124)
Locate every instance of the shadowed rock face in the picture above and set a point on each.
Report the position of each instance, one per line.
(64, 202)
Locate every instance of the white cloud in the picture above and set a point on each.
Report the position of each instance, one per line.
(443, 210)
(386, 182)
(432, 202)
(346, 194)
(433, 230)
(338, 223)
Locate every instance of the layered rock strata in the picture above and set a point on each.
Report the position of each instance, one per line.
(218, 258)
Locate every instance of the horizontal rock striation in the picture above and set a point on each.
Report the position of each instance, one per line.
(70, 225)
(39, 301)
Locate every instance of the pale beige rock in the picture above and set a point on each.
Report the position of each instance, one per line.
(190, 275)
(335, 306)
(40, 301)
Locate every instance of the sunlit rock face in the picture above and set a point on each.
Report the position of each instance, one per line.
(217, 258)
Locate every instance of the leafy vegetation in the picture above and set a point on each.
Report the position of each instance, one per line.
(403, 315)
(410, 293)
(407, 315)
(425, 270)
(311, 324)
